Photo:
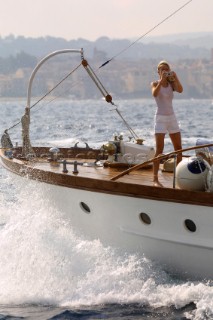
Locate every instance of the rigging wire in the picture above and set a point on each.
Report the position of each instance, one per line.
(46, 94)
(105, 63)
(132, 132)
(133, 43)
(58, 84)
(149, 31)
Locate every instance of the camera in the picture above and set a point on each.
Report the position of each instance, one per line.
(170, 76)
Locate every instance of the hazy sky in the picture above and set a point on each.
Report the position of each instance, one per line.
(91, 19)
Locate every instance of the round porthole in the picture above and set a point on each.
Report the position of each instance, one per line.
(145, 218)
(85, 207)
(190, 225)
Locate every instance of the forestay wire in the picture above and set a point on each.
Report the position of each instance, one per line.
(105, 63)
(149, 31)
(47, 93)
(133, 43)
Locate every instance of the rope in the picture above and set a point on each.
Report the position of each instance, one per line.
(149, 31)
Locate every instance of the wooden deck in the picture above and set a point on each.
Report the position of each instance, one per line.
(137, 183)
(142, 176)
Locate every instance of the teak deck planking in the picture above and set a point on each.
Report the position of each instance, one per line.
(137, 184)
(143, 176)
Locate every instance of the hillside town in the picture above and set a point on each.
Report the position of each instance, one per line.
(122, 78)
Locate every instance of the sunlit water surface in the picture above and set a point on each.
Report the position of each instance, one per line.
(46, 271)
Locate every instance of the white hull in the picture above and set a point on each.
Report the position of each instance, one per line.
(103, 202)
(115, 220)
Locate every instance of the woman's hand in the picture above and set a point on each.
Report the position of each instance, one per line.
(177, 86)
(163, 75)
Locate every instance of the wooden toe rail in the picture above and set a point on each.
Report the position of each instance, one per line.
(158, 158)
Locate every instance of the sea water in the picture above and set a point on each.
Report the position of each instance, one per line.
(46, 270)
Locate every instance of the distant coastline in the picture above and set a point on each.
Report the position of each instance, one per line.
(128, 76)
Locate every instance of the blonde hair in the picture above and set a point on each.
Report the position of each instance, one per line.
(163, 63)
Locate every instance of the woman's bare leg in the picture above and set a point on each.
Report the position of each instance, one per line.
(159, 139)
(176, 141)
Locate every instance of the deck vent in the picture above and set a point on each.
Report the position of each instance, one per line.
(145, 218)
(85, 207)
(190, 225)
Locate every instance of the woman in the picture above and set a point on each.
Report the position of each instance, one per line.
(165, 119)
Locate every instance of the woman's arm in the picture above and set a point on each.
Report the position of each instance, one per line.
(176, 84)
(156, 85)
(155, 88)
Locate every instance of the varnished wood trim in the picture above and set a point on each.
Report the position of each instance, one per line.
(22, 168)
(158, 158)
